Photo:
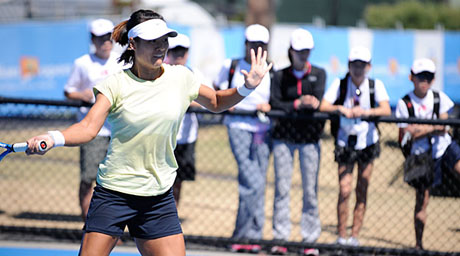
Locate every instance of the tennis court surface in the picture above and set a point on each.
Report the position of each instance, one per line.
(9, 248)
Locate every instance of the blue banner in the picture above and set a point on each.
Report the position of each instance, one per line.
(38, 57)
(452, 65)
(392, 57)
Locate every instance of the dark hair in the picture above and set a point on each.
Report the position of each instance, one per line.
(178, 51)
(120, 32)
(425, 75)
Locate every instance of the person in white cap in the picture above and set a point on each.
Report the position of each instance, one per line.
(356, 141)
(248, 136)
(188, 130)
(87, 71)
(144, 106)
(429, 141)
(298, 89)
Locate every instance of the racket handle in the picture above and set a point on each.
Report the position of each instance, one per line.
(20, 147)
(23, 146)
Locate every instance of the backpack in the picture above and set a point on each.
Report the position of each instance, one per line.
(335, 121)
(406, 148)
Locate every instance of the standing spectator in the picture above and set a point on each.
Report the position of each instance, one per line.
(88, 70)
(248, 139)
(424, 103)
(188, 130)
(298, 88)
(145, 105)
(357, 141)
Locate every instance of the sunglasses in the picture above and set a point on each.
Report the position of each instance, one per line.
(358, 64)
(103, 38)
(425, 76)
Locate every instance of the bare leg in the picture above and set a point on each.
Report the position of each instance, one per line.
(164, 246)
(97, 244)
(422, 198)
(456, 170)
(364, 176)
(345, 178)
(85, 194)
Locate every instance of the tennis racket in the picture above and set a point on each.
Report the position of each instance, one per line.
(18, 147)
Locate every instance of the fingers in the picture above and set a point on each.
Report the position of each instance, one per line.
(35, 147)
(259, 56)
(264, 56)
(253, 57)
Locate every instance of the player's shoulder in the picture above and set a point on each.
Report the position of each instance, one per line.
(83, 60)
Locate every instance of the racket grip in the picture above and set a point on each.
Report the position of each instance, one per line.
(20, 147)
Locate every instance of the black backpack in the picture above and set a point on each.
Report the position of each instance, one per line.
(335, 121)
(406, 148)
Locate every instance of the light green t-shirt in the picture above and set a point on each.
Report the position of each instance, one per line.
(145, 118)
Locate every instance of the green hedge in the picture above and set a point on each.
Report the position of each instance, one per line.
(412, 14)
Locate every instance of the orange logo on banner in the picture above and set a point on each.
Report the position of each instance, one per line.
(393, 66)
(335, 64)
(29, 66)
(458, 65)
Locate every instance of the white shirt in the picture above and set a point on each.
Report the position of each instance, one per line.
(423, 109)
(366, 132)
(89, 70)
(188, 130)
(260, 95)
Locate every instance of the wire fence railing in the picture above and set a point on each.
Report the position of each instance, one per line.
(39, 194)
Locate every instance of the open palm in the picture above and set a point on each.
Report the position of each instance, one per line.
(258, 70)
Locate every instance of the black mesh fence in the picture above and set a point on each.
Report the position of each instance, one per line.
(39, 194)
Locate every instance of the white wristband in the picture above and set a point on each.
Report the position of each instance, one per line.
(58, 138)
(243, 90)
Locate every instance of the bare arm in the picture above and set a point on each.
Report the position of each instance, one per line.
(86, 95)
(218, 101)
(422, 130)
(81, 132)
(382, 110)
(326, 106)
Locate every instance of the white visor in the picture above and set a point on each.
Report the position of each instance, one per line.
(151, 29)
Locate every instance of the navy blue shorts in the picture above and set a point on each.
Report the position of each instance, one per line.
(147, 217)
(446, 162)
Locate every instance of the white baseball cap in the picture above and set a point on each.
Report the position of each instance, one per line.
(359, 53)
(151, 29)
(301, 39)
(180, 40)
(257, 33)
(101, 27)
(423, 65)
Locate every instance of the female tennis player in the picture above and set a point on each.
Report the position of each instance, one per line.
(144, 105)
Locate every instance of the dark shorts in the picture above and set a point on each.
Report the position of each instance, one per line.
(91, 155)
(446, 162)
(185, 157)
(148, 217)
(346, 155)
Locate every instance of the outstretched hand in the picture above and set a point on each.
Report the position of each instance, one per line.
(258, 69)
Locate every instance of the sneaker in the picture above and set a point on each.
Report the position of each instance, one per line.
(239, 248)
(278, 250)
(251, 248)
(311, 252)
(254, 248)
(341, 241)
(353, 241)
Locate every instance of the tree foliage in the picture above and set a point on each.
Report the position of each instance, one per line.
(412, 14)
